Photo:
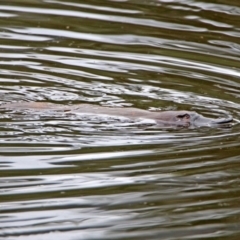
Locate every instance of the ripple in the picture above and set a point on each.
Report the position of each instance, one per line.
(73, 176)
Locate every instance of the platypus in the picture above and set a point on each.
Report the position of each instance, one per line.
(177, 118)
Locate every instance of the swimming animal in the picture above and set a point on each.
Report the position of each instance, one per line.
(177, 118)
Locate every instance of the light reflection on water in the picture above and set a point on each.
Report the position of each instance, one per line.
(64, 176)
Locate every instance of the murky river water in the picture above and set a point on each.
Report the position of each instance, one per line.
(67, 178)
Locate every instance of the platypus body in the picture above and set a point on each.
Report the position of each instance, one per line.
(177, 118)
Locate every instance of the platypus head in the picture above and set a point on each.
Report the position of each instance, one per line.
(187, 118)
(197, 120)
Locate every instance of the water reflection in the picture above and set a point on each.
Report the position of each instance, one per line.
(64, 177)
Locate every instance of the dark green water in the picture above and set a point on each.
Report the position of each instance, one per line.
(66, 178)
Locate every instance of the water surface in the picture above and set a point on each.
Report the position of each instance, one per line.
(66, 177)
